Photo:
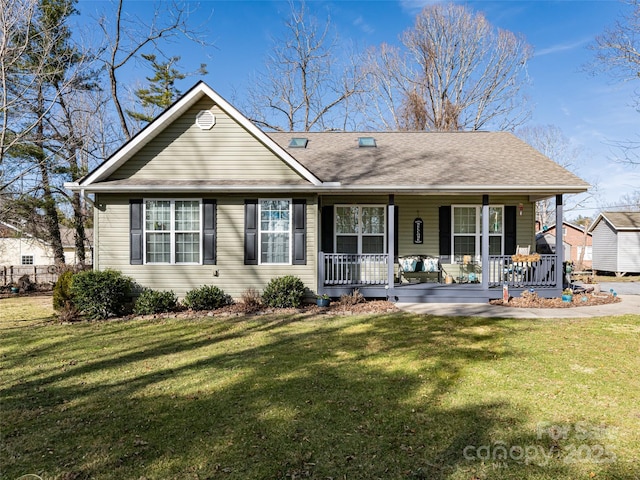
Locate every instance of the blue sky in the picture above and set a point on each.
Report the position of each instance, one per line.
(592, 111)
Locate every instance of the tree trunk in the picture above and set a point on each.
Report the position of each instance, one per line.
(49, 203)
(80, 235)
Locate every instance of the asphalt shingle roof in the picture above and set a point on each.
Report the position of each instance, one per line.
(623, 220)
(425, 159)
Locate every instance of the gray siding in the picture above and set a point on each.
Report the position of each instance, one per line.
(605, 247)
(629, 251)
(226, 152)
(112, 221)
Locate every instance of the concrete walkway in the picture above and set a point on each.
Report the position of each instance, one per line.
(630, 304)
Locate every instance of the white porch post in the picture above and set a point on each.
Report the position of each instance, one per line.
(391, 245)
(559, 244)
(485, 242)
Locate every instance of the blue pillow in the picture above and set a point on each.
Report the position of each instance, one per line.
(408, 264)
(430, 265)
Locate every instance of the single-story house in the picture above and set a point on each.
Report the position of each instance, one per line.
(616, 242)
(18, 247)
(574, 242)
(204, 196)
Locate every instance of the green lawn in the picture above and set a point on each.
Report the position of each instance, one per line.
(393, 396)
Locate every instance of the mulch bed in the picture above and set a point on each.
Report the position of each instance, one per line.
(532, 300)
(310, 310)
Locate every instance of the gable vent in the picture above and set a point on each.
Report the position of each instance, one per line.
(205, 120)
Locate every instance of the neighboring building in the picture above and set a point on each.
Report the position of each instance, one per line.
(616, 242)
(203, 196)
(573, 241)
(20, 248)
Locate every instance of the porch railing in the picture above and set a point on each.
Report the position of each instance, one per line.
(354, 269)
(543, 273)
(372, 269)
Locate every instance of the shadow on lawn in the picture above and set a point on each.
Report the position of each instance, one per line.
(287, 398)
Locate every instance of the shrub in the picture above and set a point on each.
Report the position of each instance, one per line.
(63, 298)
(155, 301)
(207, 297)
(25, 284)
(284, 292)
(101, 294)
(250, 300)
(353, 298)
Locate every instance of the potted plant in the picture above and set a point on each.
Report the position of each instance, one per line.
(567, 295)
(323, 300)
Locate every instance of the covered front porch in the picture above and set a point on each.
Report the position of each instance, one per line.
(455, 279)
(371, 275)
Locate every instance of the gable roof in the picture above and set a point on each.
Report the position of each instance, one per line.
(629, 221)
(146, 135)
(551, 229)
(67, 235)
(410, 162)
(10, 231)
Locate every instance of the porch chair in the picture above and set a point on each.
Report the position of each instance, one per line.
(523, 250)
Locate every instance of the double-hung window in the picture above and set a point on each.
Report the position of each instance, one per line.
(360, 229)
(275, 231)
(172, 231)
(467, 231)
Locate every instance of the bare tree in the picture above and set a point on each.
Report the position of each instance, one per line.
(617, 53)
(455, 72)
(553, 143)
(127, 37)
(305, 85)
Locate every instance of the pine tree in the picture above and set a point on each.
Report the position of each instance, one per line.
(162, 91)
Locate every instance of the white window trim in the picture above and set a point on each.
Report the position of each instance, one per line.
(360, 233)
(260, 200)
(171, 231)
(478, 232)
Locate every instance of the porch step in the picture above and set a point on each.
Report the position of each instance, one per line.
(439, 296)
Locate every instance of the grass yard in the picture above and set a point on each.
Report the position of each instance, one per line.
(393, 396)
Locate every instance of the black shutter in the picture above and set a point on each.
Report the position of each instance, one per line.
(445, 233)
(326, 235)
(135, 231)
(251, 232)
(510, 229)
(209, 232)
(299, 232)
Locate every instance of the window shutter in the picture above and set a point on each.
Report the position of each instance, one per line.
(135, 231)
(251, 232)
(299, 232)
(445, 233)
(327, 229)
(209, 231)
(510, 215)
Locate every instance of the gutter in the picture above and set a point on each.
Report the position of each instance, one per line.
(333, 187)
